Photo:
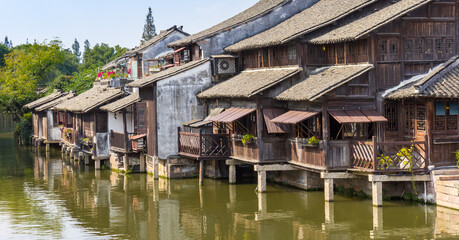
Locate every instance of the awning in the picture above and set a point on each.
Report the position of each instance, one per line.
(357, 116)
(213, 112)
(136, 137)
(186, 124)
(374, 116)
(294, 117)
(231, 115)
(271, 126)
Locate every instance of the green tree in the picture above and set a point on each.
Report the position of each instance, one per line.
(100, 55)
(76, 48)
(3, 51)
(149, 29)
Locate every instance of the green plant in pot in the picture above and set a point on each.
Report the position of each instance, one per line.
(313, 141)
(248, 138)
(456, 153)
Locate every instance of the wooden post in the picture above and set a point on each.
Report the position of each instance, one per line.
(328, 190)
(126, 135)
(374, 152)
(430, 113)
(325, 128)
(178, 138)
(377, 194)
(232, 173)
(259, 113)
(200, 142)
(201, 172)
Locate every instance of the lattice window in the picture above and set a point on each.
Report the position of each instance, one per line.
(246, 125)
(439, 48)
(449, 46)
(382, 47)
(408, 47)
(394, 46)
(418, 46)
(69, 120)
(409, 117)
(391, 114)
(308, 128)
(292, 52)
(421, 118)
(428, 46)
(446, 115)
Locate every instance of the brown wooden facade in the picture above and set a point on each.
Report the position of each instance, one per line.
(399, 50)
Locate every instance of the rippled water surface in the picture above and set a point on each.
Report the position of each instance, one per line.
(49, 197)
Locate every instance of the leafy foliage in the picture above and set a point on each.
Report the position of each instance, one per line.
(76, 49)
(247, 138)
(149, 29)
(100, 55)
(3, 51)
(313, 140)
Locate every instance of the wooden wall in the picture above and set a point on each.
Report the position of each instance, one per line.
(147, 94)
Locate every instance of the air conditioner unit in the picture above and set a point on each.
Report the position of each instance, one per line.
(224, 66)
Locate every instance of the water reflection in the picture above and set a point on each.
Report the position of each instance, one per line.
(47, 196)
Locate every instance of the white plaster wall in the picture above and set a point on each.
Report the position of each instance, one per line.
(54, 133)
(116, 124)
(177, 103)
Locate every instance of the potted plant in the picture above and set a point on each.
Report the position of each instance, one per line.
(313, 141)
(406, 157)
(247, 139)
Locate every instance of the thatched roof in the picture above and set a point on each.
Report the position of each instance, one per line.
(56, 94)
(364, 25)
(260, 8)
(162, 35)
(250, 82)
(122, 103)
(93, 98)
(166, 73)
(318, 15)
(65, 96)
(441, 82)
(322, 81)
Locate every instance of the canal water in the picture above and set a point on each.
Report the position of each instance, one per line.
(50, 197)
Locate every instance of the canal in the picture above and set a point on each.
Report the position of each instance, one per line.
(46, 196)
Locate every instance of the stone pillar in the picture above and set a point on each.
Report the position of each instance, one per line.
(86, 159)
(377, 194)
(329, 212)
(142, 163)
(328, 190)
(201, 172)
(47, 147)
(378, 218)
(232, 173)
(262, 203)
(97, 164)
(126, 162)
(155, 168)
(261, 181)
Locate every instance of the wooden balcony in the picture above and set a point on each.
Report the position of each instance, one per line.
(69, 135)
(390, 157)
(118, 142)
(203, 146)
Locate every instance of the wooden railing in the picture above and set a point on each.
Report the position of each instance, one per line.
(399, 156)
(118, 140)
(200, 146)
(69, 137)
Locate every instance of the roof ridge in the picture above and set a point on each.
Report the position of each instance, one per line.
(425, 82)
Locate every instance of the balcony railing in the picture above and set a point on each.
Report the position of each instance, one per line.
(399, 156)
(118, 141)
(203, 146)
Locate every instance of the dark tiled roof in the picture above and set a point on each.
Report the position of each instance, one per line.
(261, 8)
(94, 97)
(166, 73)
(53, 103)
(56, 94)
(122, 103)
(318, 15)
(442, 82)
(364, 25)
(250, 82)
(322, 81)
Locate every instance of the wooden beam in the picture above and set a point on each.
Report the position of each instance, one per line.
(337, 175)
(398, 178)
(274, 167)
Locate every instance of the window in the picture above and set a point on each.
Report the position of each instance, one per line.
(439, 46)
(446, 115)
(382, 47)
(429, 46)
(449, 46)
(292, 52)
(55, 120)
(391, 114)
(101, 125)
(421, 118)
(245, 125)
(69, 120)
(310, 127)
(141, 118)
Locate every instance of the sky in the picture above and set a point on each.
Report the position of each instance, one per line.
(114, 22)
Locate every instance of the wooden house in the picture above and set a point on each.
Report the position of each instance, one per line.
(370, 47)
(45, 124)
(127, 126)
(84, 125)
